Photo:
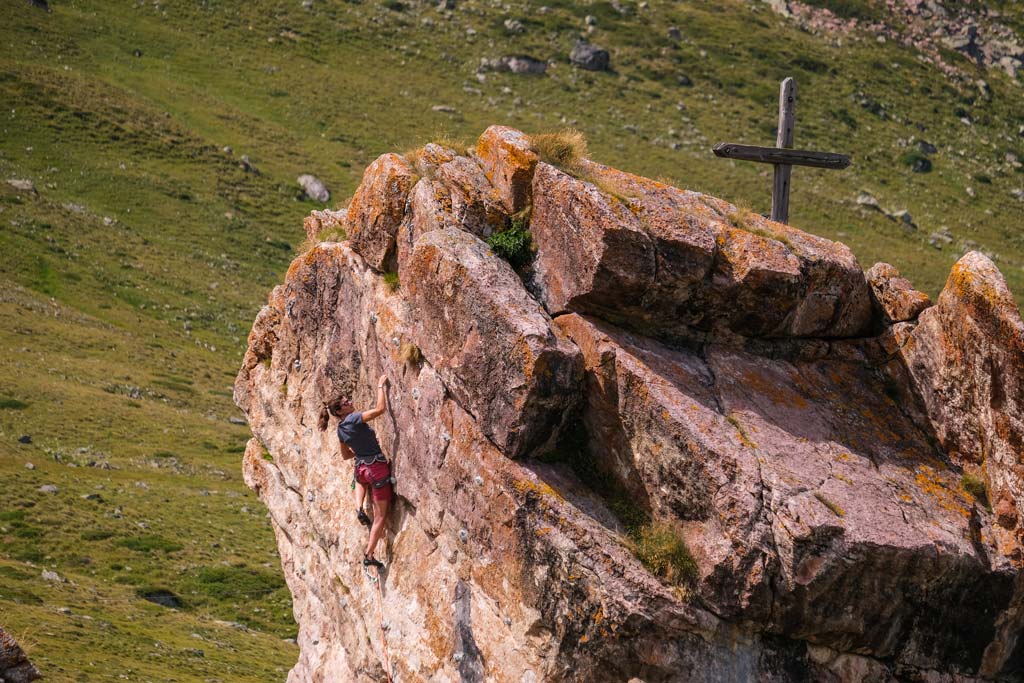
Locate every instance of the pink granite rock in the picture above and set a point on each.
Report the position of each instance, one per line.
(795, 484)
(966, 360)
(593, 253)
(493, 345)
(508, 162)
(15, 666)
(896, 299)
(377, 209)
(461, 188)
(318, 222)
(491, 572)
(814, 477)
(680, 264)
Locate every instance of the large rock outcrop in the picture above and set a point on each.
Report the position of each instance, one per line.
(672, 263)
(805, 445)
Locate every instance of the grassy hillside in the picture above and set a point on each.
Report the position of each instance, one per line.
(130, 276)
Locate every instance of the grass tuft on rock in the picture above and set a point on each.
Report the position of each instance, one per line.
(663, 552)
(410, 354)
(335, 233)
(391, 281)
(975, 486)
(564, 149)
(745, 219)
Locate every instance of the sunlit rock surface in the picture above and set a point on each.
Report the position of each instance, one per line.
(843, 469)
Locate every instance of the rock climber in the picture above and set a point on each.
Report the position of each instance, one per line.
(372, 469)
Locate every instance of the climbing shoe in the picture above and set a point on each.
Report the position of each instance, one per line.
(363, 519)
(371, 562)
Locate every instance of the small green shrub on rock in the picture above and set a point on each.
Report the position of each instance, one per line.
(514, 243)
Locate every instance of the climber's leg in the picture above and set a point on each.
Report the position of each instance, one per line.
(360, 491)
(380, 521)
(381, 492)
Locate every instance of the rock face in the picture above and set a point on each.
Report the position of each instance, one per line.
(14, 664)
(675, 447)
(966, 358)
(673, 263)
(377, 208)
(492, 344)
(894, 296)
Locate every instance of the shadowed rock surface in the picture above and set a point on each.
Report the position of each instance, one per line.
(666, 364)
(14, 664)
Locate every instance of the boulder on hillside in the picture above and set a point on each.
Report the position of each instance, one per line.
(23, 184)
(314, 188)
(707, 466)
(517, 64)
(590, 57)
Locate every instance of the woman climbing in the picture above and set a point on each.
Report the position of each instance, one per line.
(373, 471)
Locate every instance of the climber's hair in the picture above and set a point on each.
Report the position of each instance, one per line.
(332, 407)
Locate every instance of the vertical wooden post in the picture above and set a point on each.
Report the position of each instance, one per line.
(787, 120)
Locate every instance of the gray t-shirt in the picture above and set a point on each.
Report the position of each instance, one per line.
(360, 437)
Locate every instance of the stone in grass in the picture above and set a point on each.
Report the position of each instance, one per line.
(25, 438)
(161, 596)
(29, 466)
(48, 488)
(517, 64)
(590, 57)
(22, 184)
(314, 188)
(53, 577)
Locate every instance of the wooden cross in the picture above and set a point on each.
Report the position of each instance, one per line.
(782, 155)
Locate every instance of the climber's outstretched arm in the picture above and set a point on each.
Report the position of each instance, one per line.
(382, 401)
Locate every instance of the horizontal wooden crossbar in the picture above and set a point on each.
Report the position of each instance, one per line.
(776, 155)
